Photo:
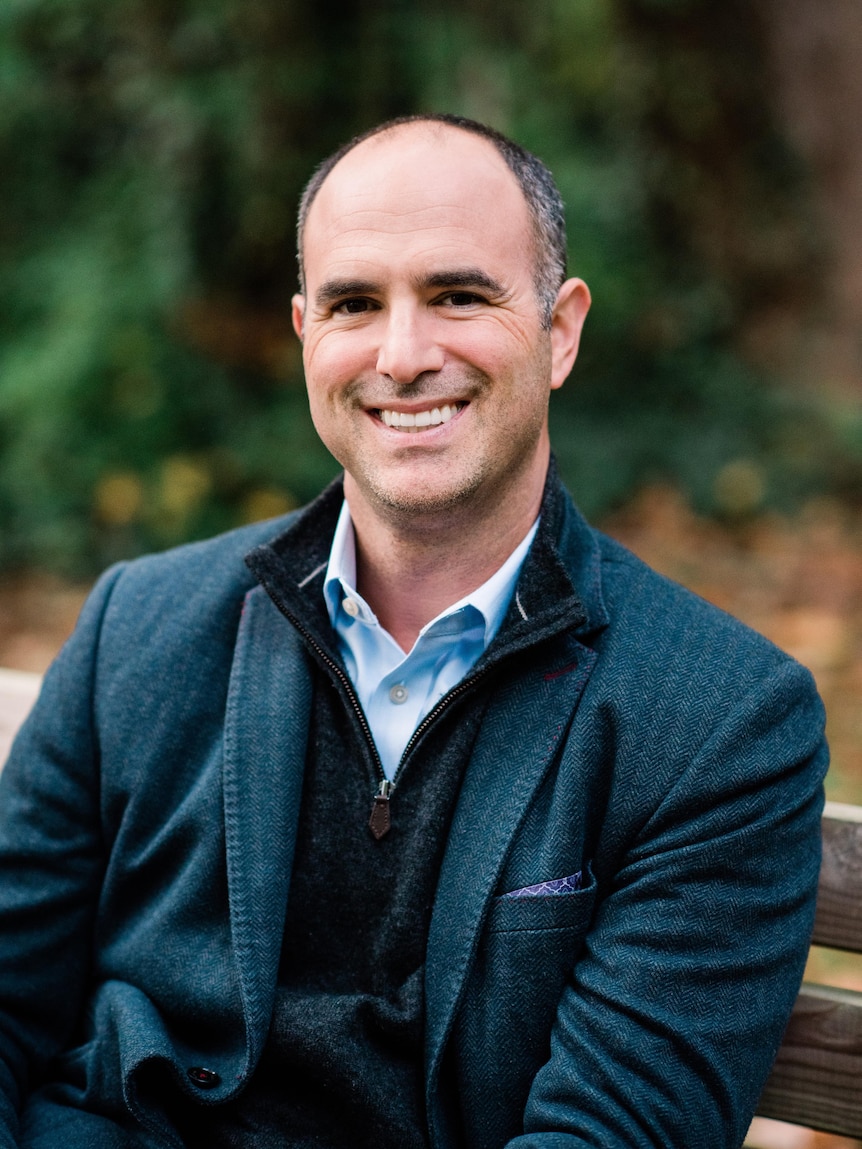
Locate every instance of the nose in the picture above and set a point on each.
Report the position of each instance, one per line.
(408, 346)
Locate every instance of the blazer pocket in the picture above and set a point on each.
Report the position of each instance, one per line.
(524, 962)
(557, 911)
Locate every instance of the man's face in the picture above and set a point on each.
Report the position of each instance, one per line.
(427, 368)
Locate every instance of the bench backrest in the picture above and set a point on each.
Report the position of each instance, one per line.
(817, 1076)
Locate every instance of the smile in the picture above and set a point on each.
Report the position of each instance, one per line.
(412, 421)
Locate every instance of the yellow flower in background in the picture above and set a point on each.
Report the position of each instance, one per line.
(739, 487)
(183, 485)
(266, 503)
(118, 498)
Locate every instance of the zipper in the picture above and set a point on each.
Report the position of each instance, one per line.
(380, 821)
(348, 689)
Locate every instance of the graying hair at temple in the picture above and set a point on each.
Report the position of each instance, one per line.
(535, 180)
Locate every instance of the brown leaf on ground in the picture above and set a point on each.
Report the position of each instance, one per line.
(37, 615)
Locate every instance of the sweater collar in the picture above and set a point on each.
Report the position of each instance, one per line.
(559, 587)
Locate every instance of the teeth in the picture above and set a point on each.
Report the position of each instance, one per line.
(407, 421)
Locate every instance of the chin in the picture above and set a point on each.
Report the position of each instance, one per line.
(423, 497)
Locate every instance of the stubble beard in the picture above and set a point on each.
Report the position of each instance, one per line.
(408, 504)
(479, 488)
(406, 501)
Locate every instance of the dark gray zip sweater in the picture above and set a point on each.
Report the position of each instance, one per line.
(343, 1065)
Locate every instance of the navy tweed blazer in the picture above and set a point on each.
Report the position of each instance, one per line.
(657, 746)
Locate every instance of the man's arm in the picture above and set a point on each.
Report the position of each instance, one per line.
(673, 1014)
(51, 863)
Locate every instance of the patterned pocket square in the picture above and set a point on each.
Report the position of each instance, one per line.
(555, 886)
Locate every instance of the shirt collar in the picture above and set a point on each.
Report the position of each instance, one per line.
(491, 599)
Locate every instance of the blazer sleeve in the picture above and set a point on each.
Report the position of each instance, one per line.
(671, 1019)
(51, 865)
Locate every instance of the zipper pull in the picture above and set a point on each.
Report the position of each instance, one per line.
(379, 822)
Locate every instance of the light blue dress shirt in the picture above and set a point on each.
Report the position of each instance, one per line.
(396, 690)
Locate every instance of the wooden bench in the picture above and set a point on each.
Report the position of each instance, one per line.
(817, 1077)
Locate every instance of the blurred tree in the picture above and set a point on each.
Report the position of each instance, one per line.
(151, 155)
(815, 75)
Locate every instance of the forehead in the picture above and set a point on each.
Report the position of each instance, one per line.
(421, 192)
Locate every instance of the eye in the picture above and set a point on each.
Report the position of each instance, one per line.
(462, 298)
(353, 306)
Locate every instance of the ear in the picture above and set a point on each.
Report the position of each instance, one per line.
(297, 313)
(567, 322)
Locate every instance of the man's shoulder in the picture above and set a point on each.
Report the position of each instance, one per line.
(626, 577)
(190, 593)
(625, 599)
(209, 564)
(217, 566)
(673, 625)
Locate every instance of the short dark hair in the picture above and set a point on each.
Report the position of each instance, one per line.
(544, 201)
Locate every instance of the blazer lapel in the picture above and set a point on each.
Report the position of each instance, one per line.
(266, 731)
(522, 732)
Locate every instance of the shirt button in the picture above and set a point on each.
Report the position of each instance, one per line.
(351, 606)
(398, 694)
(203, 1078)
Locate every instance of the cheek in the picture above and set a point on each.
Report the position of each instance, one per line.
(325, 418)
(320, 383)
(330, 362)
(495, 344)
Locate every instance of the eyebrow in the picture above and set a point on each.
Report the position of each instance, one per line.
(332, 290)
(463, 277)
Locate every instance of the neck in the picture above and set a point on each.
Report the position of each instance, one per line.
(410, 571)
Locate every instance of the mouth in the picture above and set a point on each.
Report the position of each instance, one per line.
(413, 421)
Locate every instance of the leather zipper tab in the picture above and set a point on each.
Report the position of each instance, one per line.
(380, 822)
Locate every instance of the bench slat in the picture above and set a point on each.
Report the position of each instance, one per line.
(817, 1076)
(839, 897)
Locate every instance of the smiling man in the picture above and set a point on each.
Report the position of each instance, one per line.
(427, 816)
(430, 350)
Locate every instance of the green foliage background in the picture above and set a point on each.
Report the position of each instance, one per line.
(151, 155)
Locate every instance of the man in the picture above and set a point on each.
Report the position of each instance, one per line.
(440, 820)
